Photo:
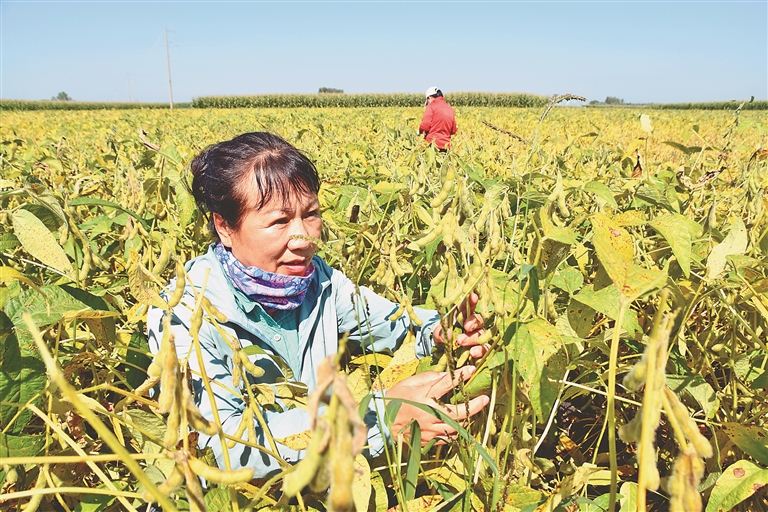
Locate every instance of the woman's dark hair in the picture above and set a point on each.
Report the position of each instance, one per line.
(220, 175)
(438, 94)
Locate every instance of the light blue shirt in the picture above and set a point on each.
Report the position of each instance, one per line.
(333, 305)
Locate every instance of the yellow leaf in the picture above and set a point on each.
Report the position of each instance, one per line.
(8, 274)
(39, 242)
(423, 503)
(405, 354)
(394, 374)
(358, 383)
(88, 313)
(298, 441)
(264, 394)
(140, 282)
(361, 485)
(373, 359)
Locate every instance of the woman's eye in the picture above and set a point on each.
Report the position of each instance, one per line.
(314, 213)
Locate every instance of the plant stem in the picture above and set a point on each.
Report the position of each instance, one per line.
(611, 414)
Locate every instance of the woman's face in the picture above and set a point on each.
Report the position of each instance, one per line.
(275, 237)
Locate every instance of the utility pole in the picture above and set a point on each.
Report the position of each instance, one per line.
(168, 59)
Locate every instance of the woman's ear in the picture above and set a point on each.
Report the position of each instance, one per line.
(223, 229)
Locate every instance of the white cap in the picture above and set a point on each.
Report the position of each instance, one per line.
(431, 92)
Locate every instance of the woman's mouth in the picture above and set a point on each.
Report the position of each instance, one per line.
(295, 268)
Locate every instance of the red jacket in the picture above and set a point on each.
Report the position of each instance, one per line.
(439, 123)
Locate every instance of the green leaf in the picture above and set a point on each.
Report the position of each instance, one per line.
(136, 358)
(605, 301)
(752, 440)
(672, 227)
(8, 242)
(539, 355)
(172, 154)
(761, 382)
(24, 445)
(22, 375)
(568, 279)
(46, 306)
(734, 243)
(185, 204)
(92, 201)
(737, 483)
(697, 388)
(95, 502)
(413, 468)
(688, 150)
(628, 498)
(219, 499)
(749, 365)
(602, 191)
(553, 252)
(38, 241)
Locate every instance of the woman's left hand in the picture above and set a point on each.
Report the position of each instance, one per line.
(427, 388)
(472, 325)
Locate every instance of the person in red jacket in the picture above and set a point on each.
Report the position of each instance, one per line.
(439, 121)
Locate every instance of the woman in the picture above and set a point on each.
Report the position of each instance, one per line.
(261, 272)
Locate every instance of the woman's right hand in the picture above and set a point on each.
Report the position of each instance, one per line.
(427, 388)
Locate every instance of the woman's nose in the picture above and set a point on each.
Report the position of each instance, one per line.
(299, 235)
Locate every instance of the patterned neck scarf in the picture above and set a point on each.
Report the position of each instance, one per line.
(272, 291)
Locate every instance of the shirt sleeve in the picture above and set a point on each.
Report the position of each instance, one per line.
(365, 316)
(225, 398)
(426, 120)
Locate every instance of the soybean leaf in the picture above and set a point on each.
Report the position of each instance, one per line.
(672, 226)
(136, 358)
(697, 388)
(605, 301)
(47, 305)
(92, 201)
(8, 242)
(602, 191)
(24, 445)
(610, 243)
(219, 499)
(761, 381)
(688, 150)
(752, 440)
(22, 375)
(8, 274)
(414, 462)
(737, 483)
(142, 283)
(96, 502)
(628, 498)
(734, 243)
(520, 496)
(568, 279)
(362, 486)
(540, 358)
(38, 241)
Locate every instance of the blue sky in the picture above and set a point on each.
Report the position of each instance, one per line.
(639, 51)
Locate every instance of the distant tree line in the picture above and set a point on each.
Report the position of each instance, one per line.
(610, 100)
(330, 90)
